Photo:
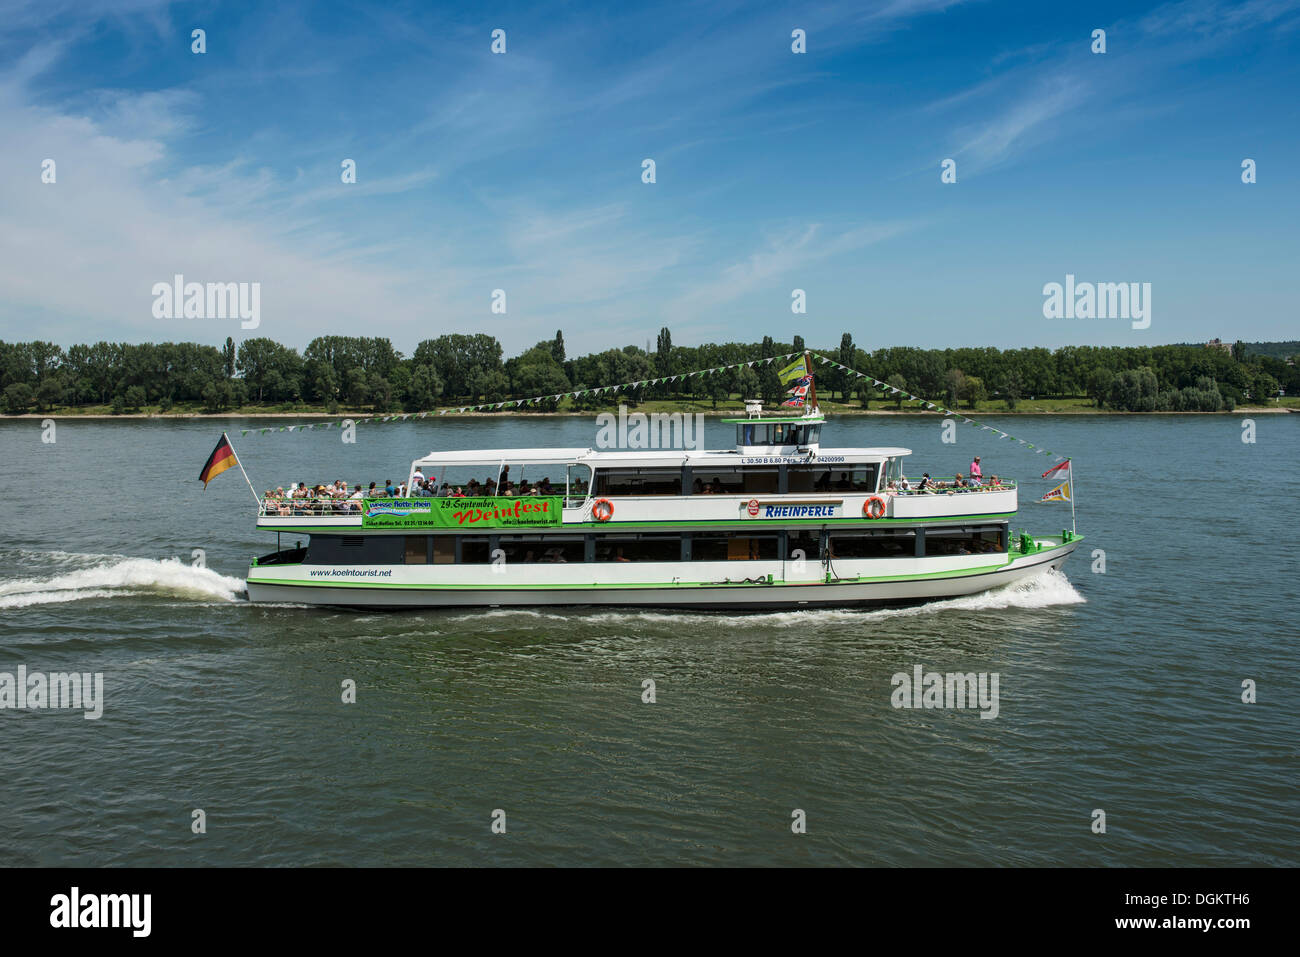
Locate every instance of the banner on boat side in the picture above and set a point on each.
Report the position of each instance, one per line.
(530, 512)
(810, 510)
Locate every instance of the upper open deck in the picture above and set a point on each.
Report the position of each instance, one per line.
(777, 472)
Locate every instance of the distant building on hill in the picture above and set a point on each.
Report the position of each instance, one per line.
(1218, 344)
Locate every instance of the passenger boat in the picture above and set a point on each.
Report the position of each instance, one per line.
(777, 522)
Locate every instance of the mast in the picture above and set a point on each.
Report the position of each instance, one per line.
(1073, 489)
(811, 404)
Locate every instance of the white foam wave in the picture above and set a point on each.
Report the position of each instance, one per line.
(114, 577)
(1049, 589)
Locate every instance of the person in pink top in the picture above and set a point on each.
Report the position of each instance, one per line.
(976, 476)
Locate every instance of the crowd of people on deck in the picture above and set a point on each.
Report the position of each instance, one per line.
(338, 499)
(973, 481)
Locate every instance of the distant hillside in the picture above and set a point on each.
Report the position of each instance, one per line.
(1276, 350)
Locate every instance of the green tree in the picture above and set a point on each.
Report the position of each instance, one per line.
(972, 390)
(18, 398)
(899, 383)
(845, 379)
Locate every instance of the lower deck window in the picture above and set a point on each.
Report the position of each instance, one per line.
(417, 550)
(474, 551)
(860, 545)
(542, 549)
(638, 548)
(721, 548)
(984, 541)
(809, 544)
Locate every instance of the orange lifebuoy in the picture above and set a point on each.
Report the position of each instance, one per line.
(874, 507)
(603, 510)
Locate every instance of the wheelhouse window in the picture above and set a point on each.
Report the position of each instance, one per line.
(759, 432)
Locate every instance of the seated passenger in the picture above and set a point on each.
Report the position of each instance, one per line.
(389, 489)
(843, 485)
(545, 487)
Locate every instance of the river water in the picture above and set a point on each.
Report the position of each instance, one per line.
(1120, 690)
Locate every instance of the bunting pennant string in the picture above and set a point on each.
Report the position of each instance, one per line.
(893, 390)
(597, 390)
(641, 383)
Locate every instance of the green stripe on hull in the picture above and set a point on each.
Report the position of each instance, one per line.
(953, 573)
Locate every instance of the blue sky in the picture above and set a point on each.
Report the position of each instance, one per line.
(775, 171)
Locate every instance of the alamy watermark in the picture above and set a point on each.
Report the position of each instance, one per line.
(179, 299)
(656, 430)
(76, 909)
(935, 689)
(1102, 300)
(57, 690)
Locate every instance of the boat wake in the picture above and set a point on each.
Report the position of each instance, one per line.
(116, 576)
(1047, 590)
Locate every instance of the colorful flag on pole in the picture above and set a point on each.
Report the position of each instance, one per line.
(1057, 468)
(222, 458)
(1059, 494)
(795, 370)
(794, 402)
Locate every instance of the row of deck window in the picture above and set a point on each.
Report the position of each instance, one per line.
(736, 480)
(810, 545)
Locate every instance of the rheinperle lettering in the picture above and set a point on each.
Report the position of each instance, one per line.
(799, 511)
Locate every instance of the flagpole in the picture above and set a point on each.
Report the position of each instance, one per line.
(256, 500)
(1074, 488)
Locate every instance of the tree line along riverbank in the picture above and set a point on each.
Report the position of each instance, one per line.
(338, 375)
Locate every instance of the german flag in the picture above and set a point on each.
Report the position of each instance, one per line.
(222, 458)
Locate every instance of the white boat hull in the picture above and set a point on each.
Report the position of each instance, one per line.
(284, 584)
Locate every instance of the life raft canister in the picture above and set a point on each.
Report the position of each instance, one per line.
(603, 510)
(874, 507)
